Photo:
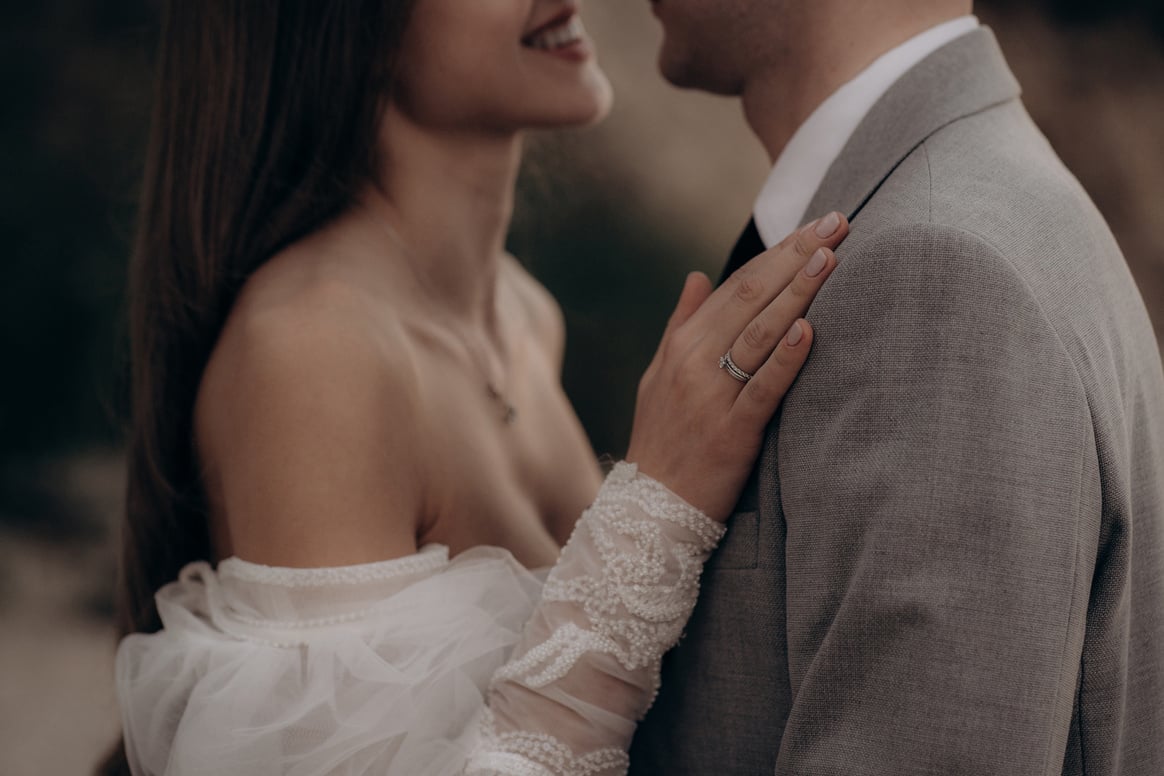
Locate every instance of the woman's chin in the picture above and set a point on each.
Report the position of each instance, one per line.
(603, 98)
(589, 105)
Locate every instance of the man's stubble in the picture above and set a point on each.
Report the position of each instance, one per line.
(716, 46)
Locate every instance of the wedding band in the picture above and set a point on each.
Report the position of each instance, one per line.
(725, 362)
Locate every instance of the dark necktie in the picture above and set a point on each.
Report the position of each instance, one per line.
(749, 246)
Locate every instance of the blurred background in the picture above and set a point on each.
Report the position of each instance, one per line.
(610, 219)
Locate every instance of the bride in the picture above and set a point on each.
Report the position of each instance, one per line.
(352, 467)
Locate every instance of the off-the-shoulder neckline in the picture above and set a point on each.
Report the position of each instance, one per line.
(429, 558)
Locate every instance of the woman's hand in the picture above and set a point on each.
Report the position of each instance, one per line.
(698, 428)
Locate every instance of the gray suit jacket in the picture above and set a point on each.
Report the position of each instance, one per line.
(950, 559)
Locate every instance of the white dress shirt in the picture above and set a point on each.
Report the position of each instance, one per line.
(805, 161)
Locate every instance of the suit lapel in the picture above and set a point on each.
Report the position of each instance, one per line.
(962, 78)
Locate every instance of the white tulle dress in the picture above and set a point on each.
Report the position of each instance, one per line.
(421, 665)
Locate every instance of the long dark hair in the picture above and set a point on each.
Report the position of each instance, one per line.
(265, 122)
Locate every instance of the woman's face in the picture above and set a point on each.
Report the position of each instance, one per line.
(500, 65)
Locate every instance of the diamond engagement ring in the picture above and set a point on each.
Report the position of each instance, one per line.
(725, 362)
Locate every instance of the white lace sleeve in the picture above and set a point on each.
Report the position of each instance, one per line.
(587, 666)
(421, 664)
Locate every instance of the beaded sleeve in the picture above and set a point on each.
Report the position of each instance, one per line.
(587, 666)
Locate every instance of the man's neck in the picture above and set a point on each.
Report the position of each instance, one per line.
(780, 97)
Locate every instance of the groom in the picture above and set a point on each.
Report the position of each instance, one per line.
(950, 559)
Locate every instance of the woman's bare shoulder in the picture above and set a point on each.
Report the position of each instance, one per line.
(307, 417)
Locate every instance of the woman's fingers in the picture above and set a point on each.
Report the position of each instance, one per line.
(696, 430)
(753, 287)
(762, 394)
(760, 337)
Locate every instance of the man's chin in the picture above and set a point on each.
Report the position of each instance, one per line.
(676, 69)
(685, 73)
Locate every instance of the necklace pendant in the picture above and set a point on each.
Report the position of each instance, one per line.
(509, 412)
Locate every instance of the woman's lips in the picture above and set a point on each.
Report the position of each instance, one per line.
(565, 36)
(562, 17)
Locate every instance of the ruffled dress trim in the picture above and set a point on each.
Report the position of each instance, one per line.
(399, 667)
(430, 558)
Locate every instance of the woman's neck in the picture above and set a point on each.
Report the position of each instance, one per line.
(449, 197)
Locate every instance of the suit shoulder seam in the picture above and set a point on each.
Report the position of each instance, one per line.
(1007, 264)
(1030, 291)
(930, 178)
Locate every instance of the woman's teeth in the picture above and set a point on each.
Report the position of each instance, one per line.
(559, 37)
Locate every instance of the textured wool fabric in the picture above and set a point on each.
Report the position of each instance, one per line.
(950, 559)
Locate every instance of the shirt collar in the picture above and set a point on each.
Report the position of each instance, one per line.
(806, 159)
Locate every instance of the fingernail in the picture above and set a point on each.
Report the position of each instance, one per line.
(817, 263)
(828, 225)
(795, 334)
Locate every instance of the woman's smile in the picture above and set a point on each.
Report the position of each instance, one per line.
(563, 36)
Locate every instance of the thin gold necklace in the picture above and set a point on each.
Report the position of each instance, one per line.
(493, 391)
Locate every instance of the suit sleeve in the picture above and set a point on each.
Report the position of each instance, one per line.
(931, 458)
